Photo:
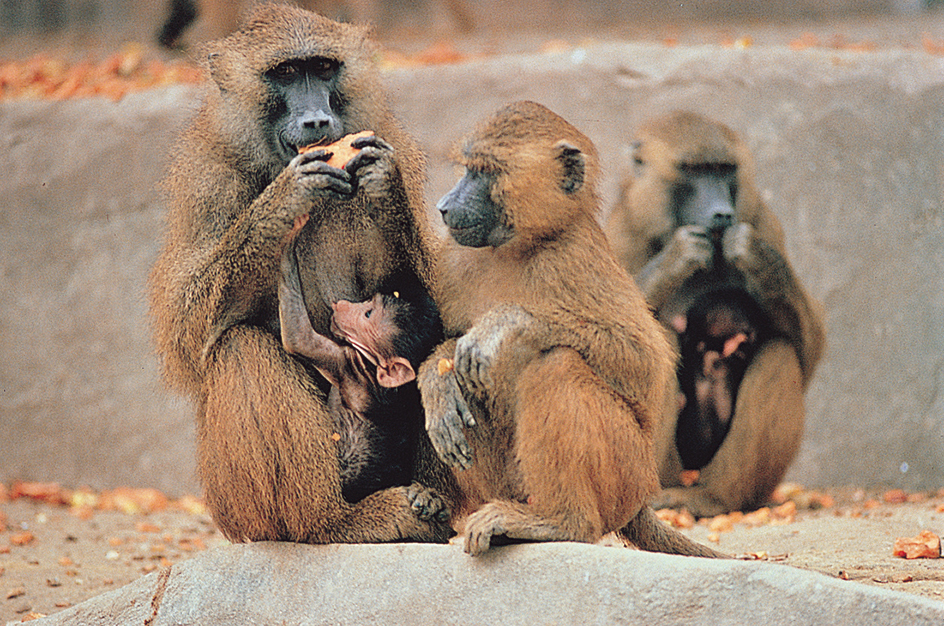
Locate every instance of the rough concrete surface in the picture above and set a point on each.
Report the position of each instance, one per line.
(556, 583)
(848, 144)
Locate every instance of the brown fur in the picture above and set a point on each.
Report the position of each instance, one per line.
(266, 456)
(767, 424)
(562, 441)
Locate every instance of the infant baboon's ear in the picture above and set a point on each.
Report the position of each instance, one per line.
(397, 371)
(573, 164)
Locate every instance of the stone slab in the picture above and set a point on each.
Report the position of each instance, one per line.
(527, 585)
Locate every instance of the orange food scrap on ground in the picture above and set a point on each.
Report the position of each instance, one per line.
(785, 512)
(43, 76)
(147, 527)
(932, 46)
(22, 538)
(44, 492)
(926, 545)
(895, 496)
(678, 519)
(130, 501)
(440, 53)
(341, 150)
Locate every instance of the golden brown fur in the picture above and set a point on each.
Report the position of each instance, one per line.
(673, 263)
(572, 367)
(266, 457)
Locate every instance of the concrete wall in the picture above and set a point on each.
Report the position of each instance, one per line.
(849, 149)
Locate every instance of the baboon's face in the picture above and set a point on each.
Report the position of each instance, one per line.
(306, 104)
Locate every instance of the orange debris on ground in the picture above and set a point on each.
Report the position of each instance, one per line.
(46, 77)
(83, 502)
(926, 545)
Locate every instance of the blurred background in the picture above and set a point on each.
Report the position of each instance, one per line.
(29, 25)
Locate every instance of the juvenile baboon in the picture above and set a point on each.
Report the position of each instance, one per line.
(559, 369)
(236, 187)
(371, 365)
(690, 222)
(718, 340)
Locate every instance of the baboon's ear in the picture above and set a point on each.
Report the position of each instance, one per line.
(574, 168)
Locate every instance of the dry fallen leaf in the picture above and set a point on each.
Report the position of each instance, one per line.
(895, 496)
(926, 545)
(147, 527)
(22, 538)
(16, 592)
(678, 519)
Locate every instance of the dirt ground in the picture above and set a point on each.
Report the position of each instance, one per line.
(51, 557)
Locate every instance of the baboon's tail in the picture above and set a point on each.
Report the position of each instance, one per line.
(647, 532)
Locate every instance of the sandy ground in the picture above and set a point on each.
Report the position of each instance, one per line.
(71, 558)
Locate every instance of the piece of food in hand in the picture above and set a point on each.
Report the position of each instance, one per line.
(926, 545)
(445, 365)
(341, 150)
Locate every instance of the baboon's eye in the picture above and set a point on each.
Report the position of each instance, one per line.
(323, 67)
(283, 71)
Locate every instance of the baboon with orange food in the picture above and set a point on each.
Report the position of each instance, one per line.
(710, 258)
(546, 396)
(237, 187)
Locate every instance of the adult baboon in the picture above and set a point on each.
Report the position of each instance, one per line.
(559, 369)
(287, 79)
(690, 222)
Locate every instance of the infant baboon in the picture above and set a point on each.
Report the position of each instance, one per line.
(380, 345)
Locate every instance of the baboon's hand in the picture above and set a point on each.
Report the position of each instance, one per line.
(447, 412)
(475, 355)
(374, 167)
(427, 503)
(315, 177)
(689, 250)
(478, 350)
(736, 245)
(480, 527)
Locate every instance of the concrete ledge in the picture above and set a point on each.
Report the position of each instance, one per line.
(555, 583)
(848, 145)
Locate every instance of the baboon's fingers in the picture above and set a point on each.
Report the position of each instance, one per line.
(319, 176)
(445, 433)
(372, 140)
(427, 504)
(473, 366)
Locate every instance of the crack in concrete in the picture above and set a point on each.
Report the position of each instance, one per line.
(158, 597)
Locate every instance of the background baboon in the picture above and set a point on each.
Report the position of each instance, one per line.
(267, 460)
(689, 221)
(380, 345)
(559, 368)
